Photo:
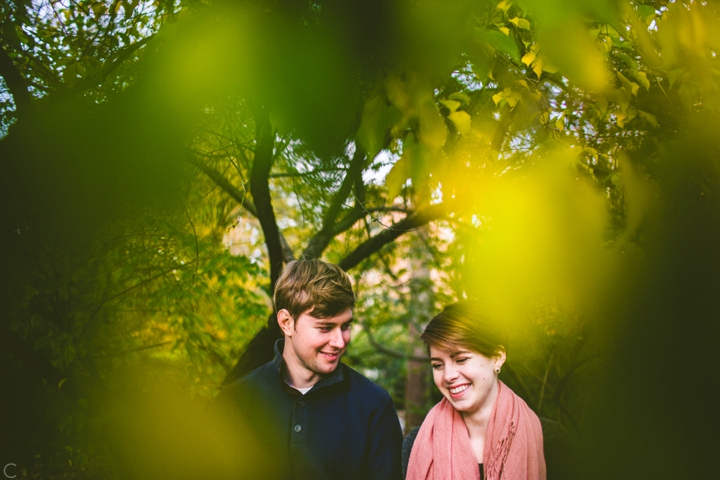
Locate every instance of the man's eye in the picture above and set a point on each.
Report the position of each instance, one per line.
(324, 329)
(347, 326)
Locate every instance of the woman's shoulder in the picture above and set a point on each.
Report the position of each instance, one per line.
(559, 449)
(407, 448)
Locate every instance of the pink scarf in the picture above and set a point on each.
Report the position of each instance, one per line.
(513, 444)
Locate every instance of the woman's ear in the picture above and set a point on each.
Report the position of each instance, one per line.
(499, 358)
(285, 322)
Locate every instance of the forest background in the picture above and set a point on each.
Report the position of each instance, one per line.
(161, 160)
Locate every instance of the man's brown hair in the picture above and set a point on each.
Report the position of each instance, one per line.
(306, 284)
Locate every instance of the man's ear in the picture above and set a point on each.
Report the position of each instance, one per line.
(285, 321)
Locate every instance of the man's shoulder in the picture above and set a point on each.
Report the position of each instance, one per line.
(361, 385)
(258, 378)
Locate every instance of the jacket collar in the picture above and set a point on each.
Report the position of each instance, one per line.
(326, 380)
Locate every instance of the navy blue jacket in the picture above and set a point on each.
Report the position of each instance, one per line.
(345, 427)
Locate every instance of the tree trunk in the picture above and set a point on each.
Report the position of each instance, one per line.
(420, 311)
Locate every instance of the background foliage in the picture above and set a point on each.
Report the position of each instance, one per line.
(162, 160)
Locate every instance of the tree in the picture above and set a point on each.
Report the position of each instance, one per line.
(339, 128)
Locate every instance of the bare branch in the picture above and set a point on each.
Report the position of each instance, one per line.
(412, 222)
(321, 239)
(305, 174)
(242, 198)
(389, 351)
(120, 57)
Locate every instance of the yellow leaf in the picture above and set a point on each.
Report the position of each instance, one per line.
(528, 58)
(620, 119)
(512, 97)
(559, 124)
(497, 97)
(452, 105)
(544, 116)
(462, 121)
(504, 6)
(538, 67)
(520, 23)
(504, 30)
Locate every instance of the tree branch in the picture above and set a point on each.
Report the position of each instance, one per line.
(373, 244)
(108, 69)
(242, 198)
(390, 351)
(260, 189)
(321, 239)
(16, 85)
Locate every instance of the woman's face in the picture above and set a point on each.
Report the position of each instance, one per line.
(467, 379)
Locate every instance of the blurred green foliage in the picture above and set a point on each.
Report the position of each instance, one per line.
(556, 159)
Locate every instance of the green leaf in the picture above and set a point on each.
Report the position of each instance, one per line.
(21, 35)
(61, 383)
(621, 97)
(399, 174)
(500, 42)
(631, 87)
(99, 9)
(647, 12)
(460, 97)
(642, 78)
(601, 105)
(629, 61)
(82, 402)
(649, 118)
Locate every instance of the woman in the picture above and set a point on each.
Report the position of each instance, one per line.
(480, 429)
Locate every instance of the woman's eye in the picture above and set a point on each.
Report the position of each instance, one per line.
(437, 366)
(325, 329)
(461, 360)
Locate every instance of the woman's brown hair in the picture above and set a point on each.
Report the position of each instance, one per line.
(465, 325)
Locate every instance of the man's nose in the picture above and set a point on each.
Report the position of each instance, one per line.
(337, 340)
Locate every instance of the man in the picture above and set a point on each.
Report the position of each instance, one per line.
(316, 417)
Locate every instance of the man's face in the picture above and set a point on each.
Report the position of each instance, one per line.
(314, 346)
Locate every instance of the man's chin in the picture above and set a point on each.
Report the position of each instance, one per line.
(328, 363)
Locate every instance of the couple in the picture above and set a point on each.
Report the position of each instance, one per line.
(321, 419)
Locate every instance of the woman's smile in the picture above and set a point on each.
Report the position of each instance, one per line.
(458, 390)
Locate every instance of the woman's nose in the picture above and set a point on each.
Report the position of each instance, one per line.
(450, 373)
